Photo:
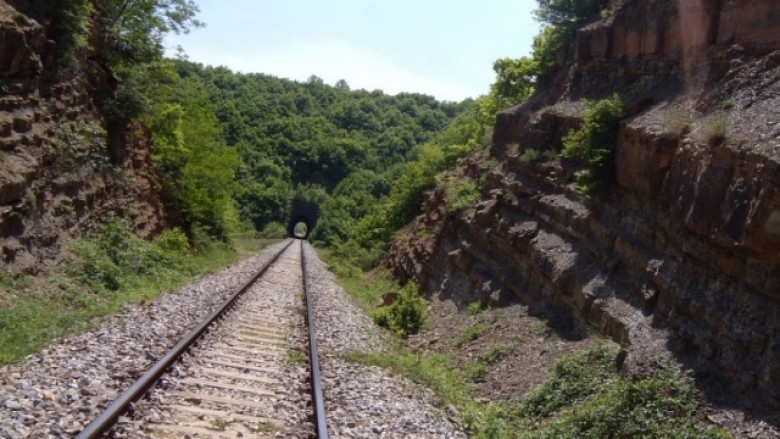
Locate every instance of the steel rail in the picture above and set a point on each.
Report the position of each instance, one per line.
(108, 418)
(316, 385)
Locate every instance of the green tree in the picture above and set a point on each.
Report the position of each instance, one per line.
(561, 19)
(569, 14)
(136, 27)
(197, 170)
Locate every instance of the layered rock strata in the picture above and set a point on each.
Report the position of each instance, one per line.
(57, 173)
(683, 253)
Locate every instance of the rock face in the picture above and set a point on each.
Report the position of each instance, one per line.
(57, 174)
(683, 253)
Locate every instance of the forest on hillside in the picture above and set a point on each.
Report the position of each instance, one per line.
(235, 150)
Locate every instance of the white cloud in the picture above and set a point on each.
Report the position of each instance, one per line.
(332, 60)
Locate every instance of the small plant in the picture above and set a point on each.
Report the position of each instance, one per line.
(495, 354)
(728, 104)
(460, 194)
(530, 155)
(594, 143)
(476, 370)
(296, 356)
(220, 424)
(263, 427)
(678, 120)
(471, 333)
(274, 230)
(713, 130)
(477, 307)
(20, 18)
(406, 316)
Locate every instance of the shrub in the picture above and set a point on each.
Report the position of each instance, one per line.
(460, 193)
(406, 316)
(595, 142)
(113, 257)
(471, 333)
(273, 230)
(495, 354)
(573, 379)
(712, 129)
(530, 155)
(476, 307)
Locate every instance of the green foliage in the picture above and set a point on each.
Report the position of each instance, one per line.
(515, 80)
(406, 196)
(71, 29)
(113, 257)
(365, 289)
(80, 144)
(603, 404)
(561, 19)
(595, 142)
(477, 307)
(407, 315)
(197, 169)
(572, 380)
(530, 155)
(470, 333)
(340, 146)
(136, 28)
(460, 193)
(115, 269)
(495, 354)
(475, 370)
(274, 230)
(568, 13)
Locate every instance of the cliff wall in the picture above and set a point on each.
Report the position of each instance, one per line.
(683, 254)
(59, 173)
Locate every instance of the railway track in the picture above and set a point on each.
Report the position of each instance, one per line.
(242, 372)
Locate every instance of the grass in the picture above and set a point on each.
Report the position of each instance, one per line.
(477, 307)
(584, 397)
(365, 288)
(295, 356)
(475, 370)
(460, 193)
(530, 155)
(495, 354)
(58, 304)
(470, 333)
(713, 129)
(679, 119)
(594, 144)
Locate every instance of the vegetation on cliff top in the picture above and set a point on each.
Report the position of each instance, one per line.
(595, 143)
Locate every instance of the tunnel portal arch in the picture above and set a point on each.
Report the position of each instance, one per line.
(303, 212)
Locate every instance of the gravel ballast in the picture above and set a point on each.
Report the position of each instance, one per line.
(365, 401)
(57, 392)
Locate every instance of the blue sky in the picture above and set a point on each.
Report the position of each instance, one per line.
(442, 48)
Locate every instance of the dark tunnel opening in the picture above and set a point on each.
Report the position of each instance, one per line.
(303, 219)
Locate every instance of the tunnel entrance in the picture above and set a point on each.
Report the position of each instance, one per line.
(303, 218)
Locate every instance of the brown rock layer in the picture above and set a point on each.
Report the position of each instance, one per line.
(683, 254)
(56, 176)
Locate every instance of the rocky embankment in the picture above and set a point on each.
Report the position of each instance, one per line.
(683, 254)
(61, 170)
